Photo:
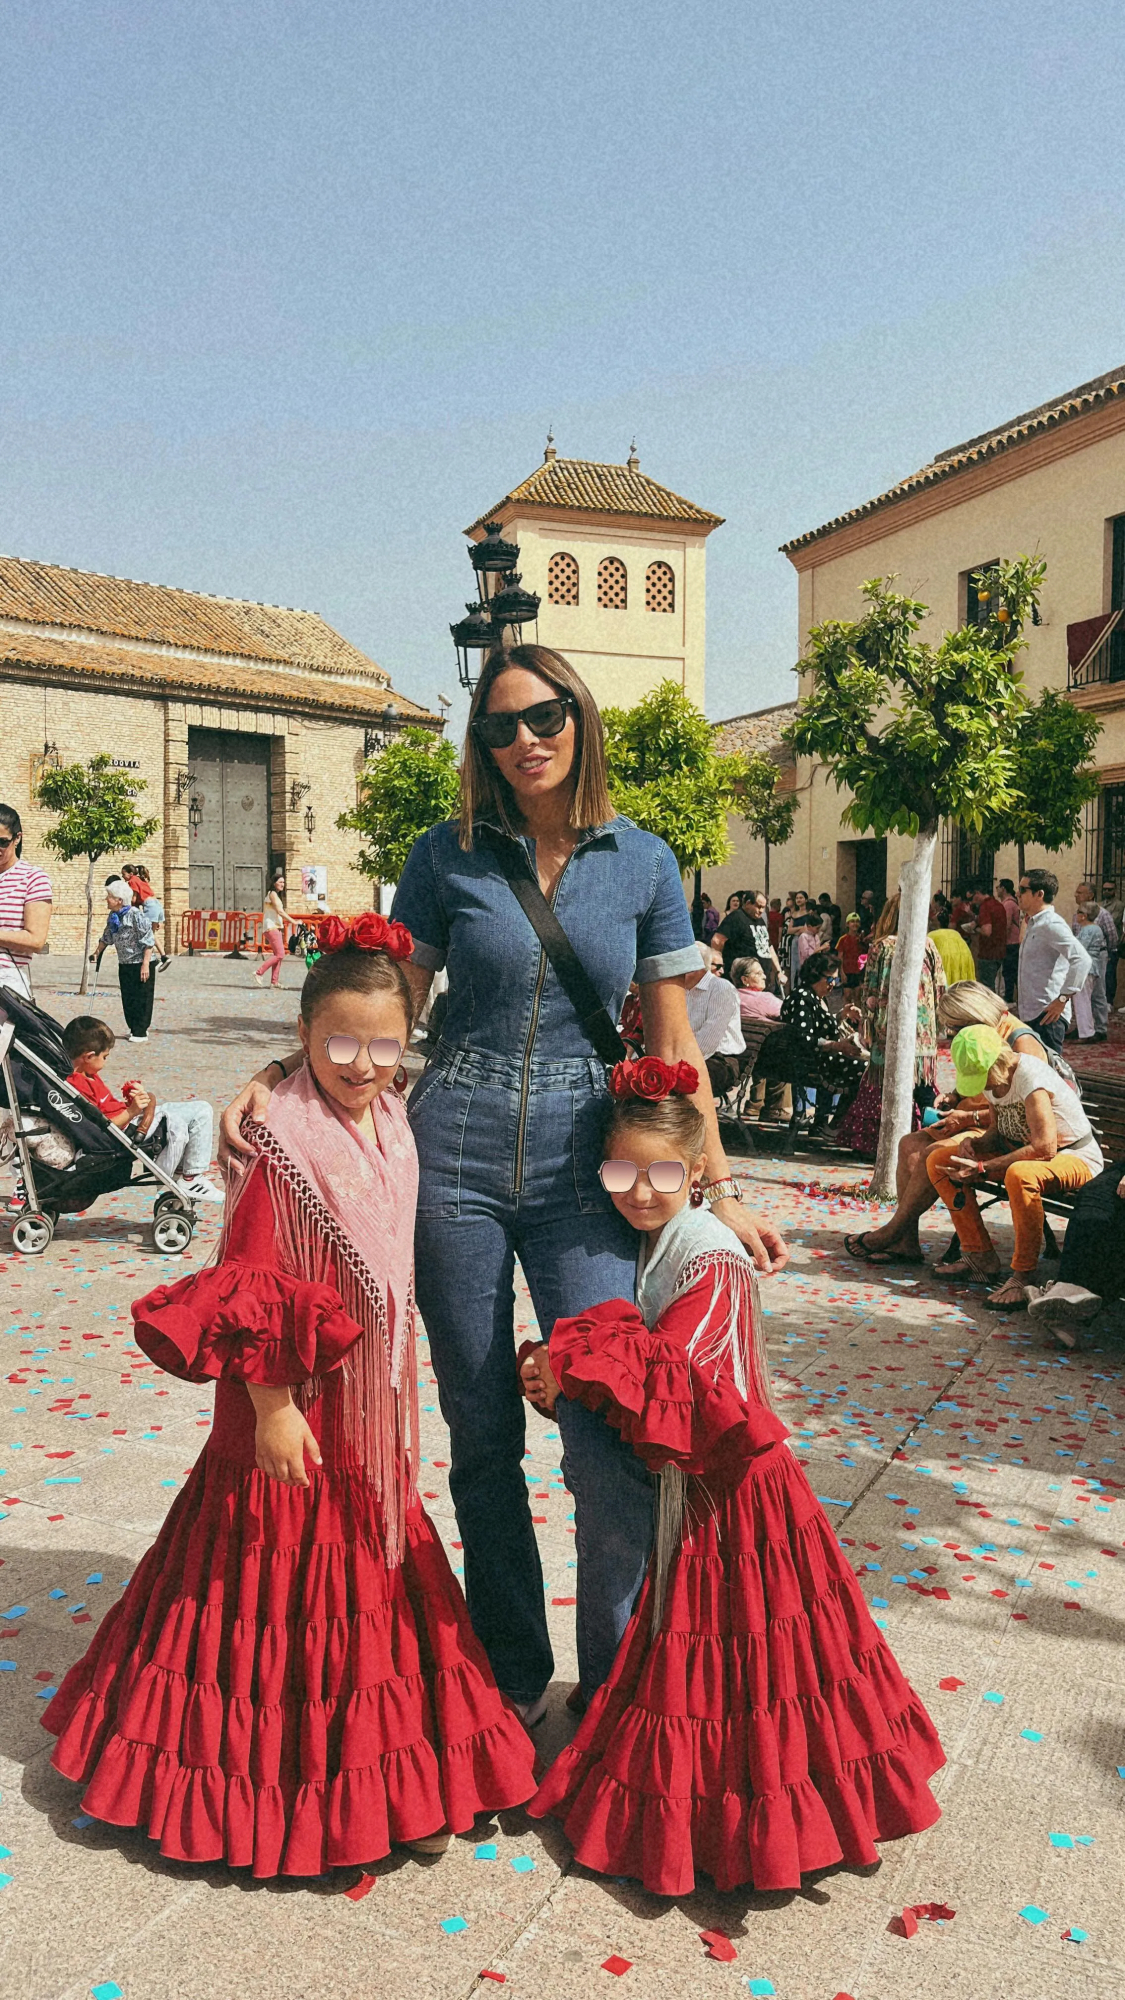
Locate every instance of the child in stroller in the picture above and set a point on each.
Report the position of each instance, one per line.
(65, 1150)
(186, 1152)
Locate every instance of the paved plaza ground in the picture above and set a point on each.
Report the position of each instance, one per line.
(973, 1472)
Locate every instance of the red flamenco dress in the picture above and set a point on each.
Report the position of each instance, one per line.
(271, 1691)
(764, 1728)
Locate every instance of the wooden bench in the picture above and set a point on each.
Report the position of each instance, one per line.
(756, 1135)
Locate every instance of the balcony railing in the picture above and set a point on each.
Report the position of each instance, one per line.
(1096, 650)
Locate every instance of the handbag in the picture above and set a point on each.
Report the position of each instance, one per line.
(571, 973)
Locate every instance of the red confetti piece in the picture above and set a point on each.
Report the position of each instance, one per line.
(905, 1925)
(617, 1965)
(81, 1618)
(950, 1684)
(361, 1888)
(564, 1600)
(718, 1946)
(499, 1977)
(44, 1674)
(56, 1517)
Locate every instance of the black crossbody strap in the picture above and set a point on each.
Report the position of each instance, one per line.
(572, 975)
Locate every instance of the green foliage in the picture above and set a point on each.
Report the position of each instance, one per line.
(1052, 778)
(96, 811)
(411, 786)
(917, 732)
(665, 773)
(768, 813)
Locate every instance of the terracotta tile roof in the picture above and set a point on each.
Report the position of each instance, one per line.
(45, 594)
(271, 684)
(583, 484)
(957, 458)
(760, 732)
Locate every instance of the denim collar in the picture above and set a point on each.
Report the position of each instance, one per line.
(587, 836)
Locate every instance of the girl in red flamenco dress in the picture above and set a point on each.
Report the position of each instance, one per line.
(755, 1724)
(291, 1683)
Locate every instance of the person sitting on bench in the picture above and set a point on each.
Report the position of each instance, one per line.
(1092, 1265)
(1041, 1143)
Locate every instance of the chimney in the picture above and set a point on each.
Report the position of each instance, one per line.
(550, 454)
(633, 462)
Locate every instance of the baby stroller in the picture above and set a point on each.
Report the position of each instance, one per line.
(69, 1154)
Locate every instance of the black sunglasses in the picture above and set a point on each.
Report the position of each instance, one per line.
(543, 718)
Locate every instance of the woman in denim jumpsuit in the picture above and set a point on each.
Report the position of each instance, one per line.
(508, 1120)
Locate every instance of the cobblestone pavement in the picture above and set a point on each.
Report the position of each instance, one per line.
(974, 1474)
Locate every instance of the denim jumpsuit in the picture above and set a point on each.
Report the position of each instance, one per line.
(509, 1119)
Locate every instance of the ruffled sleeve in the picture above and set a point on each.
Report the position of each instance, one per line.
(670, 1410)
(245, 1320)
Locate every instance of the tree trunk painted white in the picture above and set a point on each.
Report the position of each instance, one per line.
(902, 1009)
(84, 982)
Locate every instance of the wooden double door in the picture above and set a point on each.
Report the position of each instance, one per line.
(229, 849)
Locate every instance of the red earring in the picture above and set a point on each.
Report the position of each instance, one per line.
(400, 1081)
(696, 1197)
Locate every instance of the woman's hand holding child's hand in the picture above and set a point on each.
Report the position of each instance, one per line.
(538, 1382)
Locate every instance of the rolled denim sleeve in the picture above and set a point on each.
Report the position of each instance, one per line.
(418, 905)
(666, 946)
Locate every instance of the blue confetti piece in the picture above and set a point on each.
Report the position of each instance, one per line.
(1060, 1840)
(64, 1479)
(1032, 1735)
(451, 1925)
(764, 1986)
(44, 1694)
(1074, 1936)
(17, 1611)
(523, 1864)
(996, 1699)
(485, 1851)
(4, 1881)
(880, 1603)
(5, 1853)
(7, 1666)
(83, 1819)
(56, 1593)
(95, 1576)
(1032, 1914)
(1084, 1840)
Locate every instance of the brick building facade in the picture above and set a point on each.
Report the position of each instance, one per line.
(249, 724)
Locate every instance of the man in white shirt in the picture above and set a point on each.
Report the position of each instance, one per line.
(1053, 965)
(716, 1023)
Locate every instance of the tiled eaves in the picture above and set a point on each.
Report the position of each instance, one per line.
(590, 487)
(131, 671)
(977, 451)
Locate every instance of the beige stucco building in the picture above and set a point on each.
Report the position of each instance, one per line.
(249, 724)
(1049, 483)
(620, 564)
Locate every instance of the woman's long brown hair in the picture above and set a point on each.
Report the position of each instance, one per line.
(484, 793)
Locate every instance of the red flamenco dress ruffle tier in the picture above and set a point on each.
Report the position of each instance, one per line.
(766, 1729)
(269, 1692)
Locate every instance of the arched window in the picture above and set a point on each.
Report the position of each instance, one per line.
(562, 579)
(660, 587)
(613, 584)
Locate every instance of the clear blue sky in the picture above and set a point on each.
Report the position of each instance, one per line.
(290, 292)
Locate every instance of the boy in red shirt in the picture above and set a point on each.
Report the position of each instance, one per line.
(851, 950)
(186, 1153)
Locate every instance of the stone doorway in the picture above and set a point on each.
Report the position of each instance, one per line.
(229, 851)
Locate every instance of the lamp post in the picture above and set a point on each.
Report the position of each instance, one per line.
(501, 602)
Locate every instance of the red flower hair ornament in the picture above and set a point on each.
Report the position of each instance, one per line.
(367, 932)
(651, 1079)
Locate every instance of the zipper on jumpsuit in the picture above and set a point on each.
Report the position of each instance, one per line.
(525, 1073)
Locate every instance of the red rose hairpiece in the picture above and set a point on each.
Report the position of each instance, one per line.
(651, 1079)
(367, 932)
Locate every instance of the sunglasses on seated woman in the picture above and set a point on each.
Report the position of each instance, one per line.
(384, 1051)
(544, 718)
(664, 1176)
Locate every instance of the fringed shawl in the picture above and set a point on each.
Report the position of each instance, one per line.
(344, 1209)
(695, 1245)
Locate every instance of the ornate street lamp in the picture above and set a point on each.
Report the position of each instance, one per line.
(502, 602)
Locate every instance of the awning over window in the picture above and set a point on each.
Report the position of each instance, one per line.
(1085, 636)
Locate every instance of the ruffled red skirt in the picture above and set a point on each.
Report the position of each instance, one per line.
(766, 1730)
(268, 1693)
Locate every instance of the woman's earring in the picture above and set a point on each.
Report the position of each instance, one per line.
(400, 1080)
(696, 1197)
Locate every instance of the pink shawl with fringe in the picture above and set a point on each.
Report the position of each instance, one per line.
(345, 1206)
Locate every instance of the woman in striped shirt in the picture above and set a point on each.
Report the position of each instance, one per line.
(25, 906)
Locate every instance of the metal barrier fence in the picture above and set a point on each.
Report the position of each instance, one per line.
(238, 933)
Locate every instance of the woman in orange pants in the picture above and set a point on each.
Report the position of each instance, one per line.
(1041, 1144)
